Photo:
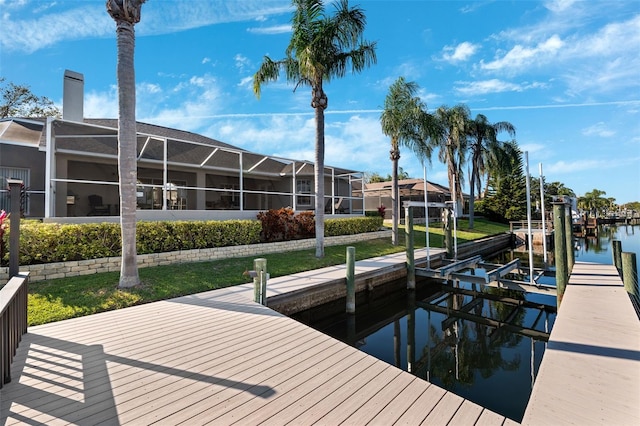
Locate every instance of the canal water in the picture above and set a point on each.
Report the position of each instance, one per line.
(483, 344)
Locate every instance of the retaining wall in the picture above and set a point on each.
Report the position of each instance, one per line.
(50, 271)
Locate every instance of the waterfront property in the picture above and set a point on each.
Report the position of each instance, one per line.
(218, 356)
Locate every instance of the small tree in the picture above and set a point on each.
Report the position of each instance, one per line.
(18, 101)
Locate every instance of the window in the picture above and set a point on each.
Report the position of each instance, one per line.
(303, 186)
(12, 173)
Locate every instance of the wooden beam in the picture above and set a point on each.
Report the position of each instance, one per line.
(503, 270)
(457, 266)
(528, 332)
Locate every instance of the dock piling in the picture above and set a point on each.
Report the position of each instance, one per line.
(630, 273)
(617, 255)
(411, 262)
(568, 232)
(351, 280)
(259, 280)
(560, 242)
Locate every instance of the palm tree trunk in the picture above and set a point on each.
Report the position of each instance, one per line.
(395, 199)
(319, 181)
(472, 196)
(127, 152)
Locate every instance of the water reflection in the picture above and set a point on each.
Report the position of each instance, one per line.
(481, 343)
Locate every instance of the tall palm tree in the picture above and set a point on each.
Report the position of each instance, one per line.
(405, 120)
(322, 47)
(126, 13)
(483, 142)
(452, 143)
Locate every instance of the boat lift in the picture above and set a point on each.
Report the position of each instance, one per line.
(454, 270)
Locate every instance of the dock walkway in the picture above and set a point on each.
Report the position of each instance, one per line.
(218, 358)
(590, 371)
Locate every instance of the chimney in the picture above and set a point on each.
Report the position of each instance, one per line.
(73, 96)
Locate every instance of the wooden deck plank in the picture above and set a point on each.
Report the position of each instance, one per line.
(422, 406)
(370, 409)
(468, 414)
(489, 418)
(218, 374)
(284, 386)
(396, 407)
(96, 361)
(214, 357)
(590, 372)
(314, 392)
(349, 399)
(290, 396)
(444, 411)
(157, 405)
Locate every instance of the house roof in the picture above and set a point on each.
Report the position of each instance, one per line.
(21, 131)
(98, 136)
(406, 187)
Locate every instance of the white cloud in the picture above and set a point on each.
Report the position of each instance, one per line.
(598, 129)
(532, 147)
(242, 62)
(82, 20)
(559, 5)
(475, 88)
(460, 53)
(520, 57)
(277, 29)
(206, 60)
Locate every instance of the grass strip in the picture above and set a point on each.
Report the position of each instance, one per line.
(55, 300)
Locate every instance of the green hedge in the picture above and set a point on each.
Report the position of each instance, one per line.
(351, 226)
(50, 242)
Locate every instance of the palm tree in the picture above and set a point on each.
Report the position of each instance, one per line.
(126, 13)
(483, 138)
(452, 143)
(405, 120)
(322, 47)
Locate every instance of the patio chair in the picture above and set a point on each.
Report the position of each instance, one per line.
(96, 206)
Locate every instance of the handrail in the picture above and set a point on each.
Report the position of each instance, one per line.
(13, 321)
(522, 224)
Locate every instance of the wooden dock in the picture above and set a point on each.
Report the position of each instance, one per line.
(219, 358)
(590, 371)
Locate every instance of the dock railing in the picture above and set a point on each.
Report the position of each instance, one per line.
(13, 322)
(536, 225)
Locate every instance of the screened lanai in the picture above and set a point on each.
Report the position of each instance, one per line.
(181, 173)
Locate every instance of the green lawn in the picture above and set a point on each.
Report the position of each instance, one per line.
(64, 298)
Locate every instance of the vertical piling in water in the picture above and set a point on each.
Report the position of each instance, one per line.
(448, 236)
(259, 265)
(560, 243)
(411, 262)
(630, 272)
(568, 232)
(617, 255)
(351, 280)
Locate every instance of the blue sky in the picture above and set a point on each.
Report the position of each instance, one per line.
(565, 73)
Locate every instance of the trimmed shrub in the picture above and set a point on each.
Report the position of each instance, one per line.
(50, 242)
(284, 225)
(351, 226)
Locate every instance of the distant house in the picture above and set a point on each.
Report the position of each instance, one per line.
(69, 167)
(379, 194)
